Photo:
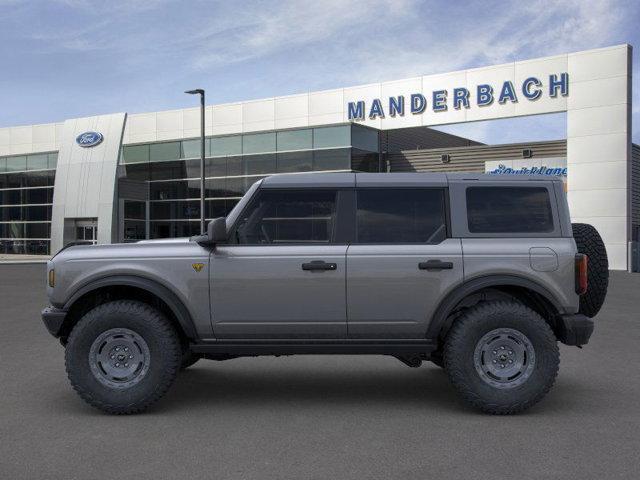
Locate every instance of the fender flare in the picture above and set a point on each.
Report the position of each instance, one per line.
(176, 306)
(474, 285)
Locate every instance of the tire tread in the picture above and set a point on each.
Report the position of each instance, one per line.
(165, 331)
(459, 334)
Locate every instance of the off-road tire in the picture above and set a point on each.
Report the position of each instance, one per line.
(467, 332)
(188, 358)
(590, 243)
(164, 356)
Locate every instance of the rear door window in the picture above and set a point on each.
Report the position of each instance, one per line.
(401, 215)
(509, 210)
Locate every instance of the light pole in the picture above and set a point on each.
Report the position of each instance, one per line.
(200, 91)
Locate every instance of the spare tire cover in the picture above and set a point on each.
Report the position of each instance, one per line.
(590, 243)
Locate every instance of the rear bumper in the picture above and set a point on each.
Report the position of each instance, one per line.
(574, 329)
(53, 319)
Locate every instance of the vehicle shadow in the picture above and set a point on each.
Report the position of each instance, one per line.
(206, 386)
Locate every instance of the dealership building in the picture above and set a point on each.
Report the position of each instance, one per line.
(124, 177)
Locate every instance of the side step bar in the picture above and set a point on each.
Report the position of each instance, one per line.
(314, 347)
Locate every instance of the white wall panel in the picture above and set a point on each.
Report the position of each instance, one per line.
(142, 124)
(258, 115)
(292, 111)
(295, 106)
(599, 63)
(21, 135)
(227, 119)
(608, 147)
(599, 146)
(5, 137)
(597, 203)
(170, 121)
(44, 133)
(604, 175)
(597, 121)
(598, 93)
(326, 103)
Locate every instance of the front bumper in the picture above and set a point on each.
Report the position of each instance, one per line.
(574, 329)
(53, 319)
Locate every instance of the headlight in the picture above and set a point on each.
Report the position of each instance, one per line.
(52, 278)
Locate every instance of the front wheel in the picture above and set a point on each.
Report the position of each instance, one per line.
(122, 356)
(502, 357)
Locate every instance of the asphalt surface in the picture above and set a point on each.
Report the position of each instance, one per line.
(317, 417)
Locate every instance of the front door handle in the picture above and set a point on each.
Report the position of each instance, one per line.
(435, 265)
(319, 265)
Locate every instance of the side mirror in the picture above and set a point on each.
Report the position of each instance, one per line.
(216, 233)
(217, 230)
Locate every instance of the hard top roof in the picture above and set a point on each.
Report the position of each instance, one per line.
(408, 179)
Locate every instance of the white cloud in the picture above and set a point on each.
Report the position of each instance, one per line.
(307, 45)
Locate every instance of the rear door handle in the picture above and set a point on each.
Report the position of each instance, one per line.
(435, 265)
(319, 265)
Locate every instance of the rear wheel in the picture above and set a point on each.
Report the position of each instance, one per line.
(502, 357)
(122, 356)
(590, 243)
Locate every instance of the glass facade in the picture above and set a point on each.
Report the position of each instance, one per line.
(159, 187)
(26, 196)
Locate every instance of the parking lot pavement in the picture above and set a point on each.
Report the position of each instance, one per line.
(318, 417)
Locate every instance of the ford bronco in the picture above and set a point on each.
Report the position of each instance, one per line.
(481, 275)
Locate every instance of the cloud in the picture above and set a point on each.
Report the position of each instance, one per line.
(257, 32)
(260, 48)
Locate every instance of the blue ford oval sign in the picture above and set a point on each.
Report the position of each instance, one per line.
(89, 139)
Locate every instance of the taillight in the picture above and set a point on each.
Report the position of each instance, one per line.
(581, 273)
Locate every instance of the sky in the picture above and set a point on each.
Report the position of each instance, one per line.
(72, 58)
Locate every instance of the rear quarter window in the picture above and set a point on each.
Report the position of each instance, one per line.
(509, 210)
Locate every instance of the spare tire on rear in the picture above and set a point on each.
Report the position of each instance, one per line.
(590, 243)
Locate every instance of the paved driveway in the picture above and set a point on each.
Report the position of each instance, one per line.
(317, 417)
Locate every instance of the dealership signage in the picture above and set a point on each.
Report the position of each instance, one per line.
(89, 139)
(482, 95)
(542, 170)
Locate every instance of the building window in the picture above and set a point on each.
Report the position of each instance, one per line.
(295, 162)
(362, 161)
(223, 146)
(162, 152)
(192, 148)
(259, 143)
(26, 195)
(295, 140)
(331, 137)
(338, 159)
(364, 138)
(135, 153)
(259, 164)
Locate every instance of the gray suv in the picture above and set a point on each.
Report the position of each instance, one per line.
(481, 275)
